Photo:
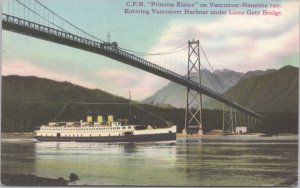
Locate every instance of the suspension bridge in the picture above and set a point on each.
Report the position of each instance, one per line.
(32, 18)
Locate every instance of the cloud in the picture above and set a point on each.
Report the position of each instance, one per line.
(115, 81)
(139, 83)
(240, 43)
(26, 68)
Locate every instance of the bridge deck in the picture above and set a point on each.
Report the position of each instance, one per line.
(26, 27)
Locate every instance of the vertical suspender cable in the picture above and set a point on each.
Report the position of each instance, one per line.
(48, 18)
(39, 15)
(28, 15)
(44, 17)
(34, 11)
(24, 10)
(8, 6)
(18, 10)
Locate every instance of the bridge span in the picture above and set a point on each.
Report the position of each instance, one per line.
(26, 27)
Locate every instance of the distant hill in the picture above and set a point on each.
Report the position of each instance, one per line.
(250, 74)
(28, 102)
(170, 94)
(276, 91)
(40, 90)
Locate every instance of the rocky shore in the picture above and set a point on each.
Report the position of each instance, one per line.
(33, 180)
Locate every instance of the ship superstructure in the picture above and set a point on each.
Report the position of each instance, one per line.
(101, 131)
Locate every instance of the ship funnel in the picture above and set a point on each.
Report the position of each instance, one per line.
(89, 119)
(110, 119)
(99, 119)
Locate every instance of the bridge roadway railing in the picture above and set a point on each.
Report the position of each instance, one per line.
(36, 30)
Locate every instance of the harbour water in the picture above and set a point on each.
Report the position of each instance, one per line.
(207, 161)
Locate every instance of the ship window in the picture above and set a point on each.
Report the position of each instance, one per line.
(90, 135)
(58, 134)
(124, 127)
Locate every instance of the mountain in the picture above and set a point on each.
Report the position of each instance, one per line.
(28, 102)
(19, 89)
(276, 91)
(170, 94)
(250, 74)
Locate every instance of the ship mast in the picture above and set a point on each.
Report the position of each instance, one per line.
(129, 105)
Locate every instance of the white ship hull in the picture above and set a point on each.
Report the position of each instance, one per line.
(105, 134)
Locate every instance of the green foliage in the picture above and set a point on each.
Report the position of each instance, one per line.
(28, 102)
(273, 92)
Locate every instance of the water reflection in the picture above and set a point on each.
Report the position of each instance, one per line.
(18, 157)
(194, 162)
(228, 162)
(113, 164)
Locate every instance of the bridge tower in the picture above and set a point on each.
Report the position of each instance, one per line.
(193, 112)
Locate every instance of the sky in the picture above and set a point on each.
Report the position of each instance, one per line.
(238, 42)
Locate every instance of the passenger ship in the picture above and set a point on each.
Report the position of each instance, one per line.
(100, 131)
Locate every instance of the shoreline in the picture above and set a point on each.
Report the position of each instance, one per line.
(17, 133)
(181, 135)
(31, 180)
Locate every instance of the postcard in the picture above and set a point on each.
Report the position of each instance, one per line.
(149, 93)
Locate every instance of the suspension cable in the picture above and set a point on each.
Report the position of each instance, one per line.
(179, 48)
(69, 22)
(213, 71)
(209, 79)
(96, 103)
(41, 16)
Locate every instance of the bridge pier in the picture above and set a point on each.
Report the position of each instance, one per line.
(229, 119)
